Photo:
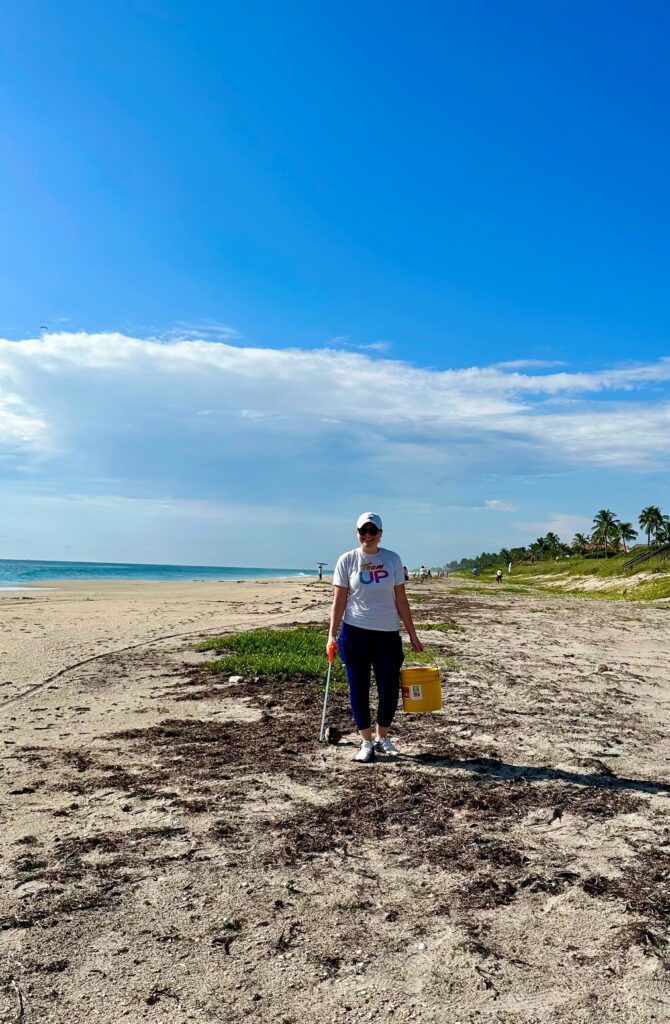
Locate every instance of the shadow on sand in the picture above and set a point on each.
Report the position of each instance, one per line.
(493, 768)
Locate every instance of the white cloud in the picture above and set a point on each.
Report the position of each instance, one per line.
(376, 346)
(344, 341)
(214, 451)
(221, 513)
(615, 434)
(111, 404)
(500, 506)
(529, 364)
(207, 330)
(20, 426)
(563, 524)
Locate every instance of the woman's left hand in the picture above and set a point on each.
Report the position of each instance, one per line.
(415, 643)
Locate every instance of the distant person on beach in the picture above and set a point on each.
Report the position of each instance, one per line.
(369, 596)
(499, 575)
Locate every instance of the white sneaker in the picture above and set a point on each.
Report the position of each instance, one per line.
(366, 753)
(386, 746)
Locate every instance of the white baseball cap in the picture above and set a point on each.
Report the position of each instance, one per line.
(369, 517)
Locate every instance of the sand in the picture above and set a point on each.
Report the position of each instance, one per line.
(43, 631)
(177, 847)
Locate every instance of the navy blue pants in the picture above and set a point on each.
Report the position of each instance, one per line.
(362, 650)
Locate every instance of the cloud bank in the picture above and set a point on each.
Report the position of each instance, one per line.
(172, 441)
(63, 393)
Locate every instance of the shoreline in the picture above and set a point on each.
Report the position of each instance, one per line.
(49, 582)
(61, 583)
(26, 572)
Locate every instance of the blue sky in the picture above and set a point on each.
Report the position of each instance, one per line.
(296, 261)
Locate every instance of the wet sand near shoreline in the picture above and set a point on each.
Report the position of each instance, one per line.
(177, 847)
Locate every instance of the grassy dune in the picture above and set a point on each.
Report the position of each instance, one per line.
(597, 578)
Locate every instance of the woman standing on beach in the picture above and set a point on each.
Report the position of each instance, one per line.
(369, 584)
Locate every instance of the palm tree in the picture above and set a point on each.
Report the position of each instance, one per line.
(663, 531)
(579, 543)
(650, 519)
(537, 549)
(553, 543)
(598, 539)
(627, 534)
(605, 522)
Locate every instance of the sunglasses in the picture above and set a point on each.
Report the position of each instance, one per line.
(372, 530)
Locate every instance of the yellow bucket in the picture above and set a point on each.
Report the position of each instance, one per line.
(421, 690)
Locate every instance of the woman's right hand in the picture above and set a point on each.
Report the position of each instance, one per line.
(415, 643)
(332, 642)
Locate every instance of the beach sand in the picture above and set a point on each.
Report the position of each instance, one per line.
(176, 847)
(43, 631)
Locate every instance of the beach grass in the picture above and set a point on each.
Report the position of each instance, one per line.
(274, 653)
(648, 581)
(494, 589)
(431, 659)
(442, 627)
(283, 653)
(572, 565)
(578, 566)
(570, 575)
(645, 591)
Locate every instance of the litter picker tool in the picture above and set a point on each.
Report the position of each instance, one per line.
(331, 658)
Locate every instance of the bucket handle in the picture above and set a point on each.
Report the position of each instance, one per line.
(427, 651)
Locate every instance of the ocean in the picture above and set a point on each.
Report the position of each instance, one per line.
(25, 572)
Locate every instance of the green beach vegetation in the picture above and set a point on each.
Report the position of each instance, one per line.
(279, 654)
(615, 569)
(273, 654)
(441, 627)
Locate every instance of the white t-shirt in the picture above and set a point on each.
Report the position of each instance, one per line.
(371, 580)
